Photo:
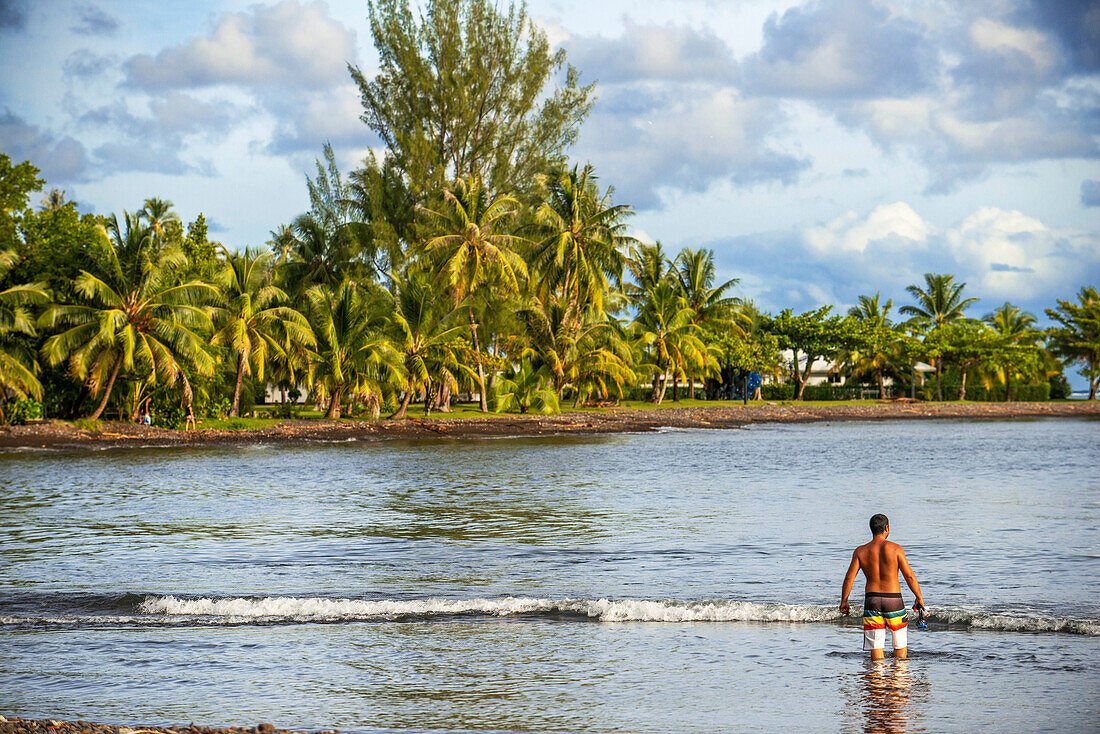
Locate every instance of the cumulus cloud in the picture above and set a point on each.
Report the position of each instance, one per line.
(61, 159)
(1090, 192)
(94, 21)
(888, 225)
(282, 45)
(671, 117)
(840, 49)
(157, 142)
(651, 52)
(962, 89)
(1001, 255)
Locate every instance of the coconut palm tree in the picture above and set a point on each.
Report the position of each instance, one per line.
(939, 302)
(583, 239)
(1076, 339)
(17, 363)
(648, 265)
(54, 200)
(695, 273)
(158, 215)
(880, 348)
(589, 353)
(665, 330)
(525, 389)
(134, 317)
(352, 352)
(252, 318)
(425, 330)
(475, 249)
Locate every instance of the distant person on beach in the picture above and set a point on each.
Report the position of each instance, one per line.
(189, 424)
(880, 560)
(146, 416)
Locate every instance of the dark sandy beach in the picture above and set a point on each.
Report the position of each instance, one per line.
(60, 435)
(52, 726)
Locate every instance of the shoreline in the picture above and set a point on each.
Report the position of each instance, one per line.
(62, 435)
(57, 726)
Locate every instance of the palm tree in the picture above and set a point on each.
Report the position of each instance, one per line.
(665, 329)
(1076, 339)
(252, 316)
(584, 236)
(134, 317)
(158, 214)
(475, 250)
(695, 273)
(648, 265)
(939, 302)
(425, 333)
(315, 257)
(54, 200)
(17, 363)
(352, 353)
(589, 353)
(880, 349)
(281, 243)
(526, 389)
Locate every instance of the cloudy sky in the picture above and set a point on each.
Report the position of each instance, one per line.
(821, 149)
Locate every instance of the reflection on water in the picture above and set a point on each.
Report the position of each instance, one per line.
(889, 697)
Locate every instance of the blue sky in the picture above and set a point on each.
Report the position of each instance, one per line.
(822, 149)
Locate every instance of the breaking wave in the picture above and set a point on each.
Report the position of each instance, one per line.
(158, 610)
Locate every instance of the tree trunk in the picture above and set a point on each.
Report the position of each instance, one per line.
(107, 390)
(443, 400)
(483, 398)
(404, 407)
(664, 386)
(803, 376)
(881, 385)
(675, 388)
(796, 373)
(1093, 384)
(334, 403)
(235, 411)
(962, 387)
(656, 382)
(939, 379)
(1008, 385)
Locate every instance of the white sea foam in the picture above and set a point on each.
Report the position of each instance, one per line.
(606, 610)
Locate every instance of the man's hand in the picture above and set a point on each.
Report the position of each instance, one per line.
(845, 608)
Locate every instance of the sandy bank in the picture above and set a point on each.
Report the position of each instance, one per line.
(56, 435)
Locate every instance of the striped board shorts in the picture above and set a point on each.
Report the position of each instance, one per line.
(882, 612)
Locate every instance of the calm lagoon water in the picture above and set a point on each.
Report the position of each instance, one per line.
(650, 582)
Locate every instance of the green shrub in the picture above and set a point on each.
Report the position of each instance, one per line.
(775, 391)
(87, 424)
(1060, 388)
(20, 411)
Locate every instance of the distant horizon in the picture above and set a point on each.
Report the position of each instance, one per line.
(822, 150)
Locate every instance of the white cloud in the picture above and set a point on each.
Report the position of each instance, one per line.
(883, 228)
(282, 45)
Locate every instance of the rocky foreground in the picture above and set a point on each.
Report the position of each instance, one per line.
(62, 435)
(52, 726)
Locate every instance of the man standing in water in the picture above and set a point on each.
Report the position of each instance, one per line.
(880, 560)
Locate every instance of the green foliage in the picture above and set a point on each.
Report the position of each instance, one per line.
(198, 248)
(811, 336)
(465, 89)
(19, 412)
(526, 390)
(776, 391)
(16, 184)
(1060, 388)
(86, 424)
(1076, 339)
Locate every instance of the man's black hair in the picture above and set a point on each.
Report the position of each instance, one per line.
(879, 523)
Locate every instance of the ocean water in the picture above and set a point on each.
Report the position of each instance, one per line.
(631, 583)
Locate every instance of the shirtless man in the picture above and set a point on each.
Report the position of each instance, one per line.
(880, 560)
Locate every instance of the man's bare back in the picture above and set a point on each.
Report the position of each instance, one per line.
(880, 561)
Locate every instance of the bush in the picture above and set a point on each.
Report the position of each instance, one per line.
(20, 411)
(775, 391)
(169, 417)
(1060, 388)
(87, 424)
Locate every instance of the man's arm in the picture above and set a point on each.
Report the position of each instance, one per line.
(849, 579)
(910, 577)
